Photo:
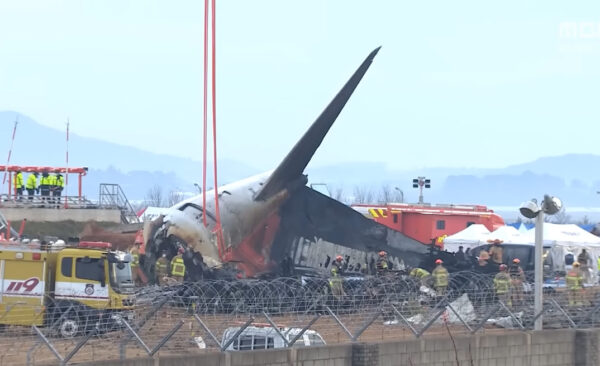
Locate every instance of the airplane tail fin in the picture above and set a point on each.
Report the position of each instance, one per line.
(294, 163)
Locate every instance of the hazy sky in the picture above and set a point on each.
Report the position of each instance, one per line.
(458, 84)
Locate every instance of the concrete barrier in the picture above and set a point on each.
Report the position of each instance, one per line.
(564, 347)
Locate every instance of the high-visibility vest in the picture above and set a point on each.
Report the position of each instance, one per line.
(135, 258)
(19, 180)
(52, 180)
(419, 273)
(161, 265)
(574, 279)
(45, 181)
(335, 270)
(31, 182)
(177, 266)
(59, 181)
(440, 276)
(382, 264)
(501, 283)
(598, 261)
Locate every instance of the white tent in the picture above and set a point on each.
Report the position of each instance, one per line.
(568, 239)
(471, 237)
(508, 235)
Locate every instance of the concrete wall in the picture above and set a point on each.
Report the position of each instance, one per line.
(551, 347)
(16, 215)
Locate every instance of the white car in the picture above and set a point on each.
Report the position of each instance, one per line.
(266, 337)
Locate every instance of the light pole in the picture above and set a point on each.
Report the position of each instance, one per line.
(550, 206)
(401, 194)
(199, 189)
(421, 182)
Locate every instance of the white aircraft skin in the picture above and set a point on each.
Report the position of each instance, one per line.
(247, 207)
(240, 214)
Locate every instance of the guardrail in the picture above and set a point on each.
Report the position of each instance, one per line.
(37, 201)
(192, 318)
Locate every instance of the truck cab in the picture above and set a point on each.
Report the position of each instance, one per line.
(71, 289)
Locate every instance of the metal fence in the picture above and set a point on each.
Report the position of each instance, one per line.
(192, 318)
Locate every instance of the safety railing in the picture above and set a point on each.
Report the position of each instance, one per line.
(285, 312)
(38, 201)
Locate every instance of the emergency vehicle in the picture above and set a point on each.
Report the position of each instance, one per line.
(429, 223)
(71, 289)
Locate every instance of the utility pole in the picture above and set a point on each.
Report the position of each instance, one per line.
(421, 182)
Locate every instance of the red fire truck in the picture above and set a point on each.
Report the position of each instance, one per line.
(429, 224)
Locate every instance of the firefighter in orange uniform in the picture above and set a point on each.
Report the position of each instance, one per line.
(335, 281)
(517, 277)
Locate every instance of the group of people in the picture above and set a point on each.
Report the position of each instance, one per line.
(438, 278)
(166, 271)
(49, 185)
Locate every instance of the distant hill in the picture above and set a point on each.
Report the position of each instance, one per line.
(136, 170)
(574, 177)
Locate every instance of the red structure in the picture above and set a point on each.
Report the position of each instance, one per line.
(429, 224)
(11, 169)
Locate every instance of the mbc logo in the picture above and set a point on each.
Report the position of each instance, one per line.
(26, 286)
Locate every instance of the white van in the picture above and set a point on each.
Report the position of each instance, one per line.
(266, 337)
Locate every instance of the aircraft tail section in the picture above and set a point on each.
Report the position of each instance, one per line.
(293, 164)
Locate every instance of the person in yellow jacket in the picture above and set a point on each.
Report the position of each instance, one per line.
(574, 281)
(161, 267)
(502, 285)
(31, 185)
(18, 181)
(440, 278)
(178, 267)
(423, 275)
(382, 264)
(135, 263)
(45, 183)
(335, 281)
(59, 185)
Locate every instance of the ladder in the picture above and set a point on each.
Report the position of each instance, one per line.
(112, 196)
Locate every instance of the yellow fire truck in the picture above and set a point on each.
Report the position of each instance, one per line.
(71, 289)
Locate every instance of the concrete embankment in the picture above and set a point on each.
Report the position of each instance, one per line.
(563, 347)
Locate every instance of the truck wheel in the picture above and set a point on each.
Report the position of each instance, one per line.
(70, 326)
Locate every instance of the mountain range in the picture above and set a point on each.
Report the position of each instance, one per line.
(571, 177)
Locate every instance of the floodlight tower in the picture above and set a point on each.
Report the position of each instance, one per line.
(531, 209)
(421, 182)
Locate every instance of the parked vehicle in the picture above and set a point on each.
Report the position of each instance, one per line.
(254, 337)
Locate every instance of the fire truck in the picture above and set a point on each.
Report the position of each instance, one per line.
(429, 224)
(72, 290)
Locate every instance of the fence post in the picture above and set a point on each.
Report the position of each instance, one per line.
(339, 322)
(47, 342)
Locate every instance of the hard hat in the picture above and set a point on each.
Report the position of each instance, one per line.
(438, 261)
(382, 253)
(25, 241)
(180, 251)
(516, 260)
(503, 267)
(576, 264)
(339, 258)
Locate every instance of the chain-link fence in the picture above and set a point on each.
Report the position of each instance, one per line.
(285, 312)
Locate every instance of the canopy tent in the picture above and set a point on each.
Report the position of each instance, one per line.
(508, 235)
(471, 237)
(568, 239)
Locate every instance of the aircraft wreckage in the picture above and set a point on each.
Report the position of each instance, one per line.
(273, 223)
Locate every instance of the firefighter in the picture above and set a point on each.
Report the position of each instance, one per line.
(584, 258)
(31, 185)
(496, 252)
(502, 285)
(177, 266)
(517, 277)
(440, 278)
(382, 263)
(423, 275)
(574, 281)
(18, 180)
(335, 281)
(161, 268)
(135, 263)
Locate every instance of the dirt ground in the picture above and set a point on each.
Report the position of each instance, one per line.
(16, 343)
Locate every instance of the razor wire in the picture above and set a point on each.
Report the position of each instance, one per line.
(215, 315)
